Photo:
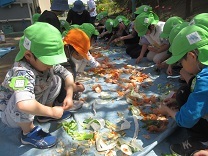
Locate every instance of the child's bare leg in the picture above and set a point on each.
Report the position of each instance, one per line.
(26, 126)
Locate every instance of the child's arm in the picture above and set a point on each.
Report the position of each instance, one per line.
(69, 86)
(166, 110)
(144, 49)
(123, 38)
(103, 34)
(35, 108)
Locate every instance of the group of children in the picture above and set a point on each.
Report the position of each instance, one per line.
(38, 85)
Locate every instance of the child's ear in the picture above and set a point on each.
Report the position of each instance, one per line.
(192, 55)
(28, 55)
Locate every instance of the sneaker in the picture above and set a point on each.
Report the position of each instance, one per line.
(77, 105)
(38, 138)
(65, 116)
(187, 147)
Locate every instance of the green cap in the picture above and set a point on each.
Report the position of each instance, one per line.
(73, 26)
(175, 31)
(169, 24)
(109, 25)
(190, 38)
(45, 42)
(143, 8)
(143, 21)
(121, 19)
(200, 19)
(89, 29)
(64, 24)
(35, 17)
(102, 15)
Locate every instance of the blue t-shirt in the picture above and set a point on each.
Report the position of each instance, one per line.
(196, 106)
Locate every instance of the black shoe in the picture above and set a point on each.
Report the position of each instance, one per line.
(187, 147)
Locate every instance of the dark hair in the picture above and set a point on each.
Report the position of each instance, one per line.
(196, 52)
(149, 28)
(69, 51)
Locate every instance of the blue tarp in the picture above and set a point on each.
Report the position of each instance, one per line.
(4, 51)
(107, 109)
(4, 3)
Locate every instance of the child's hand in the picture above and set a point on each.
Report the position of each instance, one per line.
(57, 112)
(201, 153)
(79, 87)
(169, 70)
(163, 109)
(139, 59)
(116, 40)
(67, 103)
(151, 48)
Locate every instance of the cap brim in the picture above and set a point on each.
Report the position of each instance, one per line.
(55, 59)
(170, 49)
(173, 59)
(203, 54)
(21, 53)
(137, 12)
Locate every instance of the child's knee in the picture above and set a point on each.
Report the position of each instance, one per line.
(157, 60)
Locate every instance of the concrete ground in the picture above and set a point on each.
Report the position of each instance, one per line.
(7, 60)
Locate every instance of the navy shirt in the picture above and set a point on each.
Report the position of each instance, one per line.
(196, 106)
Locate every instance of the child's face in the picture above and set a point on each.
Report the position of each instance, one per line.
(36, 63)
(122, 26)
(190, 63)
(77, 56)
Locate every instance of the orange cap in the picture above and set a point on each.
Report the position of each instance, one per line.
(79, 40)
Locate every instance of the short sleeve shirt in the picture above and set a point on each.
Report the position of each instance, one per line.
(37, 82)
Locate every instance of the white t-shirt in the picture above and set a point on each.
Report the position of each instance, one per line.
(91, 4)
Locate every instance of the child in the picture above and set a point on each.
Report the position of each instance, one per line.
(34, 83)
(35, 17)
(101, 19)
(118, 28)
(190, 47)
(143, 8)
(169, 25)
(149, 28)
(129, 36)
(64, 25)
(81, 34)
(108, 26)
(58, 7)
